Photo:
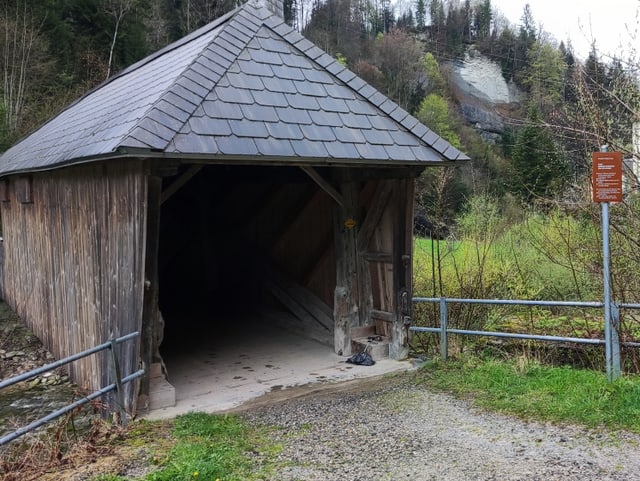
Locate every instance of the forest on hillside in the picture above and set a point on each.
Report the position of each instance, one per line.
(53, 51)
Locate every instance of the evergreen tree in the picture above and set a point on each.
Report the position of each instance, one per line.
(482, 19)
(506, 53)
(568, 83)
(438, 21)
(545, 76)
(340, 26)
(540, 169)
(467, 20)
(406, 21)
(525, 40)
(290, 12)
(421, 13)
(455, 28)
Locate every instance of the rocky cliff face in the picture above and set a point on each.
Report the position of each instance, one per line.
(486, 99)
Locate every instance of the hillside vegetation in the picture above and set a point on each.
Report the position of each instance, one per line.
(516, 221)
(55, 50)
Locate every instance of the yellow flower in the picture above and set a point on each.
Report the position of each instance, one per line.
(195, 474)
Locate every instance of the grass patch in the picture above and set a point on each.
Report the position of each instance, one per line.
(212, 447)
(533, 391)
(195, 446)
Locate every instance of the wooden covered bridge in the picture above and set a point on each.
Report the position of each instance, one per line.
(238, 168)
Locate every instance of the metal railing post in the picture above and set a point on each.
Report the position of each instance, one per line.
(444, 340)
(115, 369)
(115, 386)
(615, 341)
(606, 280)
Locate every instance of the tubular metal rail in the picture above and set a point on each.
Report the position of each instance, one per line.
(611, 340)
(117, 385)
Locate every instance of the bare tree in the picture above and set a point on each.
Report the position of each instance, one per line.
(118, 9)
(20, 35)
(157, 36)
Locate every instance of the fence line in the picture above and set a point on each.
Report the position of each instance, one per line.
(611, 341)
(115, 386)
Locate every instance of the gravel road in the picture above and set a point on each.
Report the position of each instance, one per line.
(392, 429)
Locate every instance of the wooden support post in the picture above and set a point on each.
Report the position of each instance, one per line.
(402, 261)
(151, 323)
(346, 299)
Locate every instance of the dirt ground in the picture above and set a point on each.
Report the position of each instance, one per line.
(20, 350)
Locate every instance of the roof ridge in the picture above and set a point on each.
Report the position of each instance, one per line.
(177, 44)
(262, 16)
(137, 65)
(224, 49)
(146, 120)
(363, 88)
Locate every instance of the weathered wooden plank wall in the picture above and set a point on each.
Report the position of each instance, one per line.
(374, 273)
(305, 245)
(74, 261)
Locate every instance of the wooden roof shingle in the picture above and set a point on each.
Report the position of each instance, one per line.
(245, 87)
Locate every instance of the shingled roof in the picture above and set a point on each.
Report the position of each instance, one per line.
(245, 88)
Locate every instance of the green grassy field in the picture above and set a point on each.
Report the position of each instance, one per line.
(533, 391)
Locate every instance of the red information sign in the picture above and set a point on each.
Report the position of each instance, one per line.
(607, 176)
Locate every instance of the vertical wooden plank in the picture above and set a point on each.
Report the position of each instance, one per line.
(402, 232)
(73, 262)
(408, 240)
(366, 233)
(23, 188)
(4, 190)
(346, 300)
(152, 330)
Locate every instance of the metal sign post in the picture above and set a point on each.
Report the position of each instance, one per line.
(607, 187)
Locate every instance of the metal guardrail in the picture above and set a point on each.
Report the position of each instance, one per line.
(117, 385)
(611, 340)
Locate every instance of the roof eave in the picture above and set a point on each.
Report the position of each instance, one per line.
(68, 163)
(290, 161)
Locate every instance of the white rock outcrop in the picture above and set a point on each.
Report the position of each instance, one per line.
(484, 96)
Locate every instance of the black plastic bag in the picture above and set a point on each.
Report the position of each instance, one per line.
(362, 359)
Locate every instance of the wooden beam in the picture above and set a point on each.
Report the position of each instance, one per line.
(383, 315)
(301, 301)
(324, 185)
(382, 173)
(23, 189)
(152, 330)
(374, 213)
(180, 182)
(383, 257)
(4, 190)
(164, 168)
